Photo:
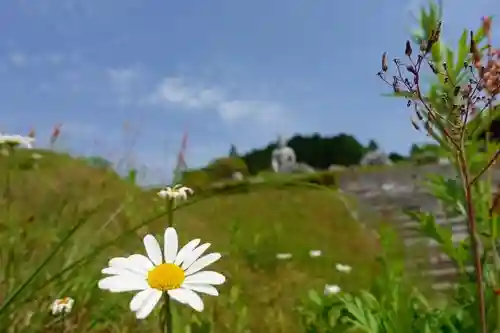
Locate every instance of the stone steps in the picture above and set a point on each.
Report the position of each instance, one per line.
(438, 267)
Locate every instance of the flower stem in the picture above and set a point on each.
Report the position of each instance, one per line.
(168, 315)
(168, 327)
(63, 318)
(474, 239)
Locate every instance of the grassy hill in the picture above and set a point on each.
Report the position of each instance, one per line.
(47, 197)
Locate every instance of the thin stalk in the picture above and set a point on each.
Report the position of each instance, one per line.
(167, 304)
(47, 259)
(471, 218)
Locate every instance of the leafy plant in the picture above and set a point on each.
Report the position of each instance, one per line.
(454, 109)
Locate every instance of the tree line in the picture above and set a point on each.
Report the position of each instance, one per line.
(316, 150)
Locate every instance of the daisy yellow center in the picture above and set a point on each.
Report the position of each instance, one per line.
(166, 277)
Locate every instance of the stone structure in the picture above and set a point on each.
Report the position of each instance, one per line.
(376, 157)
(283, 158)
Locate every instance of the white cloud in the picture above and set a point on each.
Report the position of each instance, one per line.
(21, 59)
(122, 77)
(126, 83)
(17, 59)
(177, 91)
(260, 110)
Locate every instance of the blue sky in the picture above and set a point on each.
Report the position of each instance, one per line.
(229, 71)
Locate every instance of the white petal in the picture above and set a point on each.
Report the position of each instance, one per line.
(171, 245)
(148, 304)
(136, 263)
(118, 262)
(124, 282)
(139, 298)
(195, 254)
(153, 249)
(186, 251)
(187, 296)
(201, 288)
(112, 271)
(206, 277)
(202, 263)
(140, 263)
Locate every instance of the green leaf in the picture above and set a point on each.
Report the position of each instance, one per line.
(450, 62)
(314, 297)
(463, 51)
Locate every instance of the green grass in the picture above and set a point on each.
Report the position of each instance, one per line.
(43, 200)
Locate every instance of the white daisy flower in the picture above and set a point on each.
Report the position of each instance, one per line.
(174, 272)
(62, 306)
(343, 268)
(17, 140)
(283, 256)
(175, 192)
(315, 253)
(331, 289)
(36, 156)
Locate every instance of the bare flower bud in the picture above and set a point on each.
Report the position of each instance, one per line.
(419, 115)
(486, 25)
(423, 45)
(414, 123)
(433, 68)
(476, 57)
(411, 69)
(408, 49)
(385, 67)
(434, 38)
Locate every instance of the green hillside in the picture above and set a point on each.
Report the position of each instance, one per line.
(45, 198)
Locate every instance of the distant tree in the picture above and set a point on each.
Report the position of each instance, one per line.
(315, 150)
(428, 149)
(395, 157)
(415, 150)
(372, 145)
(225, 167)
(99, 162)
(233, 152)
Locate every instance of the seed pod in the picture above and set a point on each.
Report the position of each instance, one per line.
(408, 49)
(385, 67)
(486, 25)
(414, 123)
(435, 35)
(411, 70)
(433, 68)
(476, 57)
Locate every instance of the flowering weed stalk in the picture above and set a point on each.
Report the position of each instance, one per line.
(456, 108)
(171, 195)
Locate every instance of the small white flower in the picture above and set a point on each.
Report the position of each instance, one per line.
(283, 256)
(343, 268)
(315, 253)
(176, 192)
(36, 156)
(62, 306)
(17, 140)
(174, 272)
(331, 289)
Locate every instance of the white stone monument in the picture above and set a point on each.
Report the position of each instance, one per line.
(283, 158)
(376, 157)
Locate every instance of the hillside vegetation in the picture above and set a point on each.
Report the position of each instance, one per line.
(46, 197)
